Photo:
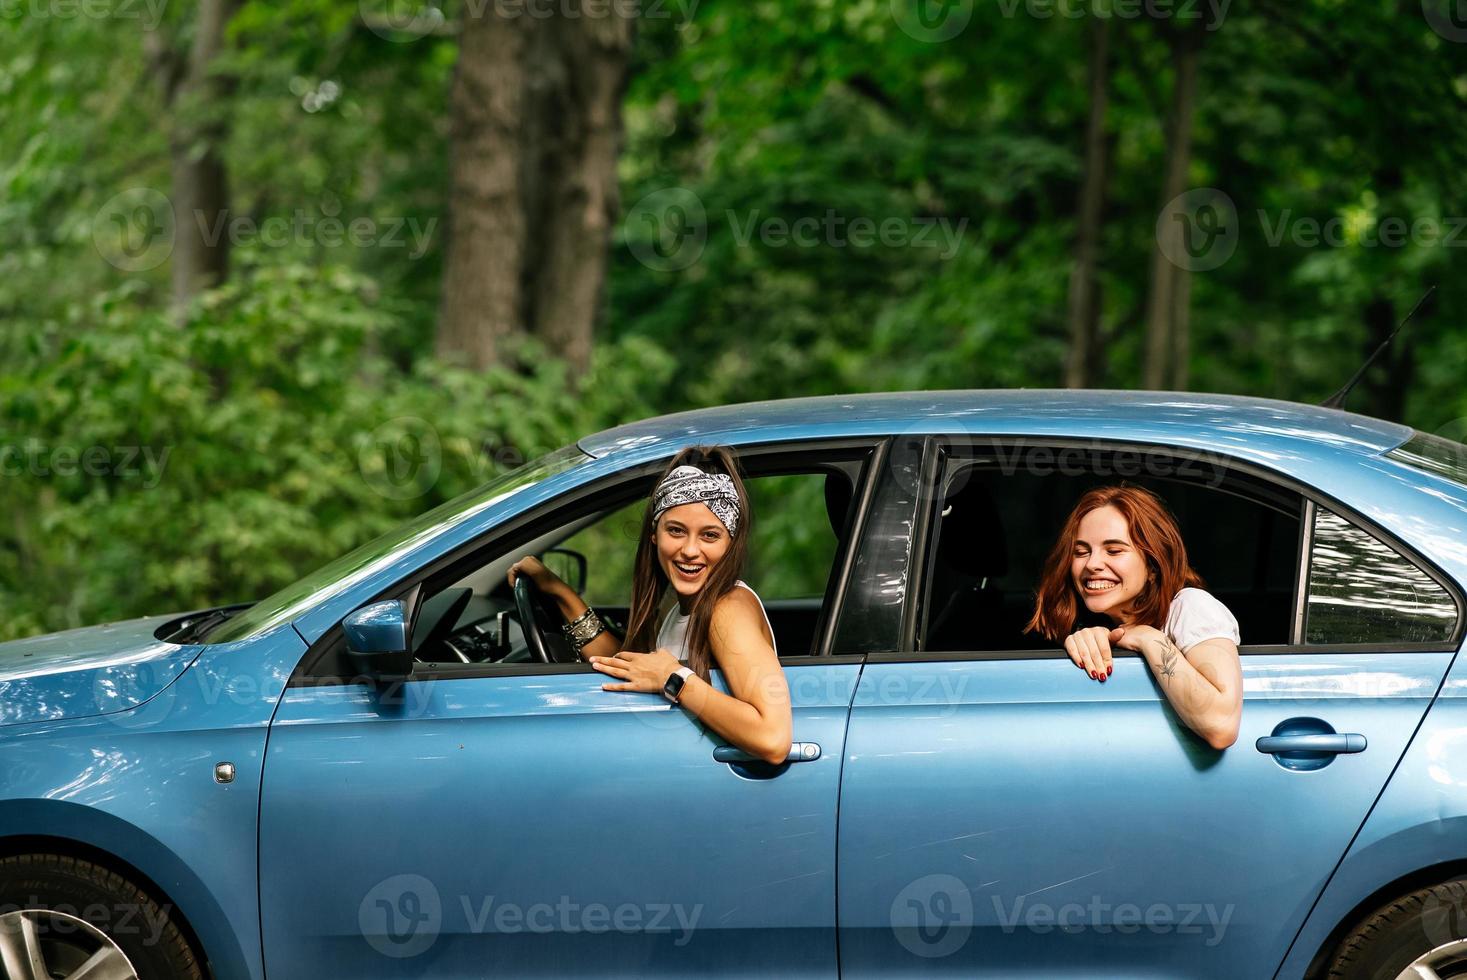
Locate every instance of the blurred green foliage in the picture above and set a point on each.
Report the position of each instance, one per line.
(287, 412)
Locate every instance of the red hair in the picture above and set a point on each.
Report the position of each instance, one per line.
(1155, 534)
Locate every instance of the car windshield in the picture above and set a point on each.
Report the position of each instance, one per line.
(1434, 454)
(297, 597)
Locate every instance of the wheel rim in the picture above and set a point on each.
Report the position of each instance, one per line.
(1447, 960)
(40, 944)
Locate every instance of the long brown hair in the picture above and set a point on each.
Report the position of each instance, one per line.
(649, 581)
(1155, 534)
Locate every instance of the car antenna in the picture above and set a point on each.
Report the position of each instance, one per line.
(1337, 400)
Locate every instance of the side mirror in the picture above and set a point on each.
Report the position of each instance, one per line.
(569, 565)
(377, 638)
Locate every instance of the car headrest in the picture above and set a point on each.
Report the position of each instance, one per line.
(837, 501)
(972, 540)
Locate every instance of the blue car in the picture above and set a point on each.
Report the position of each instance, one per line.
(395, 767)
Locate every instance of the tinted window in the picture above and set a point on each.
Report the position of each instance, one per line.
(1362, 591)
(1434, 455)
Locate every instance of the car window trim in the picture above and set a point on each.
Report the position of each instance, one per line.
(1310, 495)
(787, 456)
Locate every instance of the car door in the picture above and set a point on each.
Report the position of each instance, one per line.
(516, 820)
(1003, 815)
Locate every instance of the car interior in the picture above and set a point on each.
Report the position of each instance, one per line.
(802, 520)
(997, 524)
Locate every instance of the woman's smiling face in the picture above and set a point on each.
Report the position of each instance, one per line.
(1106, 567)
(690, 541)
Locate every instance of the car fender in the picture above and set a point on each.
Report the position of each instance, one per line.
(98, 831)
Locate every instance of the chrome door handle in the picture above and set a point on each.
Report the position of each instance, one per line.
(1335, 744)
(799, 752)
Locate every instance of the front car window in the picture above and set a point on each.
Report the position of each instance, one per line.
(341, 573)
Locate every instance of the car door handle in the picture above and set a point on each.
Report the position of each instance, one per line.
(799, 752)
(1334, 744)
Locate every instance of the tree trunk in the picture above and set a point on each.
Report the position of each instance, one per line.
(1084, 297)
(537, 129)
(482, 299)
(197, 95)
(1170, 291)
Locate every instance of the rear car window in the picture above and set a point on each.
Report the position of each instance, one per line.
(1433, 454)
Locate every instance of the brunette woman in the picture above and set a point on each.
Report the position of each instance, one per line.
(695, 537)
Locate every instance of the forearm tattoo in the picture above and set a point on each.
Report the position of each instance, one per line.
(1168, 659)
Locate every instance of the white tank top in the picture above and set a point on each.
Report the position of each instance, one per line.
(673, 634)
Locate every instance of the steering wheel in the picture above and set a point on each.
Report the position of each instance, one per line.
(526, 604)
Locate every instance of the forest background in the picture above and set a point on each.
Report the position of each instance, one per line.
(276, 275)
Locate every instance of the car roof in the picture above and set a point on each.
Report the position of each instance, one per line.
(1145, 416)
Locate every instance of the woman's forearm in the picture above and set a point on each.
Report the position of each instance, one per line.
(572, 607)
(1201, 705)
(742, 724)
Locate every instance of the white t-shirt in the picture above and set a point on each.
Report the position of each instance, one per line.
(1195, 616)
(673, 634)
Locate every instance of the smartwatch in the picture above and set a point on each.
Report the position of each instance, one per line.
(673, 689)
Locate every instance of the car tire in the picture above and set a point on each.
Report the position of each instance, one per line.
(75, 909)
(1428, 926)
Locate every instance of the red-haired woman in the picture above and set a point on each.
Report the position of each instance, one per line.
(1121, 557)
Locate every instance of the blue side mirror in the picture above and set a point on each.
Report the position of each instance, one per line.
(378, 635)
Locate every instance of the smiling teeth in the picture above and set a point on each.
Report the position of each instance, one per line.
(1100, 586)
(690, 569)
